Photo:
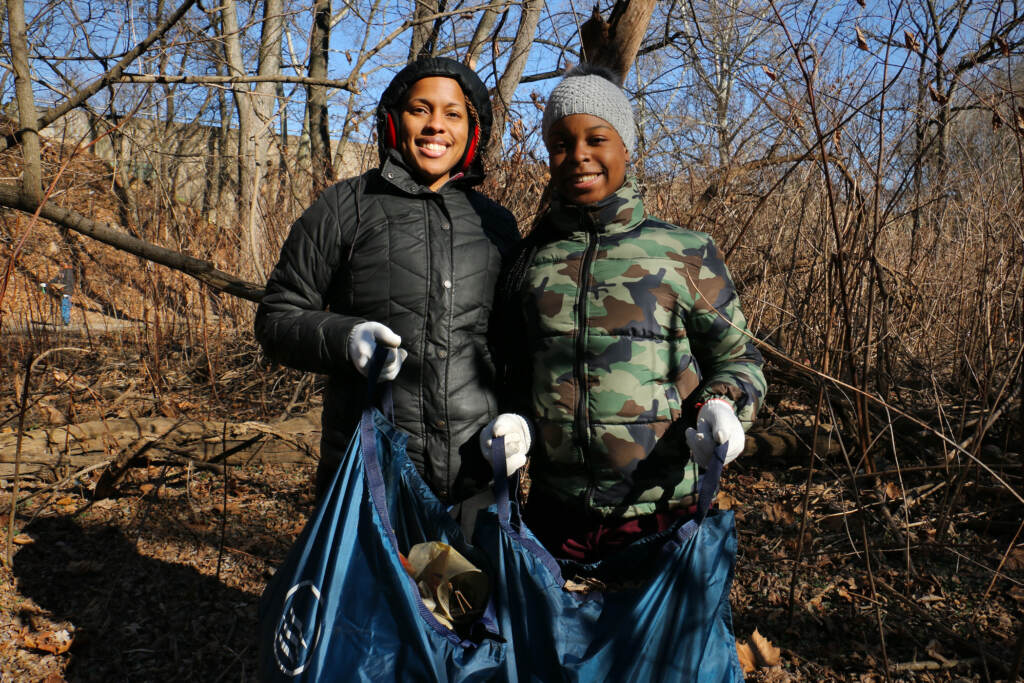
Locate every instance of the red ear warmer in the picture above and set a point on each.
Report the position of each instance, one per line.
(471, 148)
(390, 134)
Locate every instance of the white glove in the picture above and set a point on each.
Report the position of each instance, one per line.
(517, 439)
(363, 342)
(716, 424)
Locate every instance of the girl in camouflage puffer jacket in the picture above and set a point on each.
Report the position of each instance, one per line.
(632, 325)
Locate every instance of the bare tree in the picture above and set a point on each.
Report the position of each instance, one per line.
(316, 107)
(509, 81)
(31, 182)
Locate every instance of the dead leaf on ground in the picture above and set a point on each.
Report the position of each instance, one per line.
(146, 488)
(746, 656)
(1015, 560)
(758, 654)
(778, 512)
(54, 642)
(725, 501)
(23, 539)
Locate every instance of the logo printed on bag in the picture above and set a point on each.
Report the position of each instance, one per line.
(299, 629)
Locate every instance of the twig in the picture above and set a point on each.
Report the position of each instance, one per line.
(224, 506)
(930, 665)
(299, 386)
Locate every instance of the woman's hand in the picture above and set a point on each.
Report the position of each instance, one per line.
(363, 342)
(516, 431)
(716, 424)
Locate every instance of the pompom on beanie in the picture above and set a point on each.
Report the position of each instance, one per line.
(589, 89)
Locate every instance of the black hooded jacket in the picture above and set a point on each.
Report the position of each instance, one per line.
(383, 247)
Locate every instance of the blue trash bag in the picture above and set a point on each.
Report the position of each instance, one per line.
(670, 622)
(343, 608)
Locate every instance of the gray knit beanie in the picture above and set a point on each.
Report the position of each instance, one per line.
(589, 89)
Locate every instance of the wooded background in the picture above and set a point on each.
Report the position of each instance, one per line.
(859, 163)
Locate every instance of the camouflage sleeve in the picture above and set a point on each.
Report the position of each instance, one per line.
(729, 361)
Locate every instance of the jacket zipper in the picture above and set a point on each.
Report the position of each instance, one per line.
(582, 426)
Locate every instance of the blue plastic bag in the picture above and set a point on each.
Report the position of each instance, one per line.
(673, 625)
(342, 608)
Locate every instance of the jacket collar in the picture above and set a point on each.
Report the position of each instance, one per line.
(619, 212)
(395, 171)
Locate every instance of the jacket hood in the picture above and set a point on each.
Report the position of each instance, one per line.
(389, 107)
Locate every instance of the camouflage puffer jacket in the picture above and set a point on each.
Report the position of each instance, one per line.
(627, 318)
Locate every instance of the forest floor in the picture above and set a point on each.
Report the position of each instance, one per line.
(162, 581)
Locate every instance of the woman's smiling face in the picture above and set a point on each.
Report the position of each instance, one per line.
(587, 158)
(434, 129)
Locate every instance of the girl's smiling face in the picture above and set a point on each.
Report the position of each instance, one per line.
(587, 158)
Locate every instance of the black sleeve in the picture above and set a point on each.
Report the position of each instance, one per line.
(499, 224)
(292, 324)
(507, 334)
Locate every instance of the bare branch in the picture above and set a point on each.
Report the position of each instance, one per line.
(106, 79)
(204, 271)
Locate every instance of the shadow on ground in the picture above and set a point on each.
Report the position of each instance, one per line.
(135, 618)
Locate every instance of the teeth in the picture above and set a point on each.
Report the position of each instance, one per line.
(586, 178)
(434, 147)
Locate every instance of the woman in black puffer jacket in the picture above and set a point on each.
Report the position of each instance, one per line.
(406, 255)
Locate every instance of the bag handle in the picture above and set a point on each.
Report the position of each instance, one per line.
(373, 383)
(375, 482)
(705, 492)
(502, 493)
(710, 481)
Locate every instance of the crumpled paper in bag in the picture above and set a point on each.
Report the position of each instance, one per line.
(454, 589)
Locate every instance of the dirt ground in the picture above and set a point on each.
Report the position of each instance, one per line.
(162, 581)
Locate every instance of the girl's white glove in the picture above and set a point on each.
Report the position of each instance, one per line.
(363, 341)
(517, 439)
(716, 424)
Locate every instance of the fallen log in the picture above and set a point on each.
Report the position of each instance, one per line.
(296, 440)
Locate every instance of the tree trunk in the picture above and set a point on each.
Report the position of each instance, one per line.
(316, 102)
(626, 32)
(513, 73)
(215, 179)
(615, 43)
(249, 167)
(480, 35)
(32, 178)
(127, 441)
(421, 30)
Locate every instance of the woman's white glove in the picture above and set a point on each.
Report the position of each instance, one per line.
(716, 424)
(517, 439)
(362, 342)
